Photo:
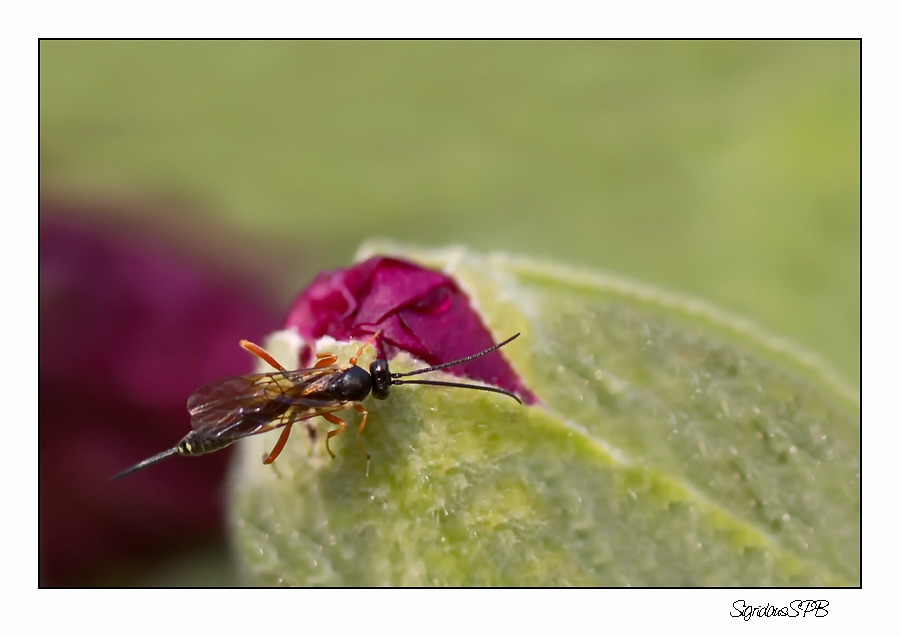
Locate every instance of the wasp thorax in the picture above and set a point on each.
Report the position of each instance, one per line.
(353, 384)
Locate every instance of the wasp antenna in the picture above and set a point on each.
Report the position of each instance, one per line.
(456, 362)
(442, 383)
(146, 463)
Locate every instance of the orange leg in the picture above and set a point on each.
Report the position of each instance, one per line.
(256, 350)
(362, 424)
(331, 434)
(359, 352)
(325, 360)
(279, 446)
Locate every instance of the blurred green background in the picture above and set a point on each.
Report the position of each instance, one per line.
(726, 170)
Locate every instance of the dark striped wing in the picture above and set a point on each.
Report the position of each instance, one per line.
(242, 406)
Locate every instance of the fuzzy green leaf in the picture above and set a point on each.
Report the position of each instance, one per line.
(676, 446)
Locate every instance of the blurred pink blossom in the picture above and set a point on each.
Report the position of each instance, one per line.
(128, 330)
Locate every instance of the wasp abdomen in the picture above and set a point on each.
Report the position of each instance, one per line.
(195, 444)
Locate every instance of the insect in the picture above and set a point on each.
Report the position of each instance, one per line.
(227, 410)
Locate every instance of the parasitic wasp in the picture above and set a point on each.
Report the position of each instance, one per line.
(225, 411)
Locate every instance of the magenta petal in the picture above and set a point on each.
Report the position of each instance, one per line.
(417, 310)
(128, 330)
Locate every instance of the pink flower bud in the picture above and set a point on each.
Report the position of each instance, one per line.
(417, 310)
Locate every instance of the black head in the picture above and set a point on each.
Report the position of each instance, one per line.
(381, 378)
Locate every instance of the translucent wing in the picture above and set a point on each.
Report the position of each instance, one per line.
(241, 406)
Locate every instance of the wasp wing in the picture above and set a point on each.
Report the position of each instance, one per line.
(242, 406)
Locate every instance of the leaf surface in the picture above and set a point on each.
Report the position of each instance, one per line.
(675, 446)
